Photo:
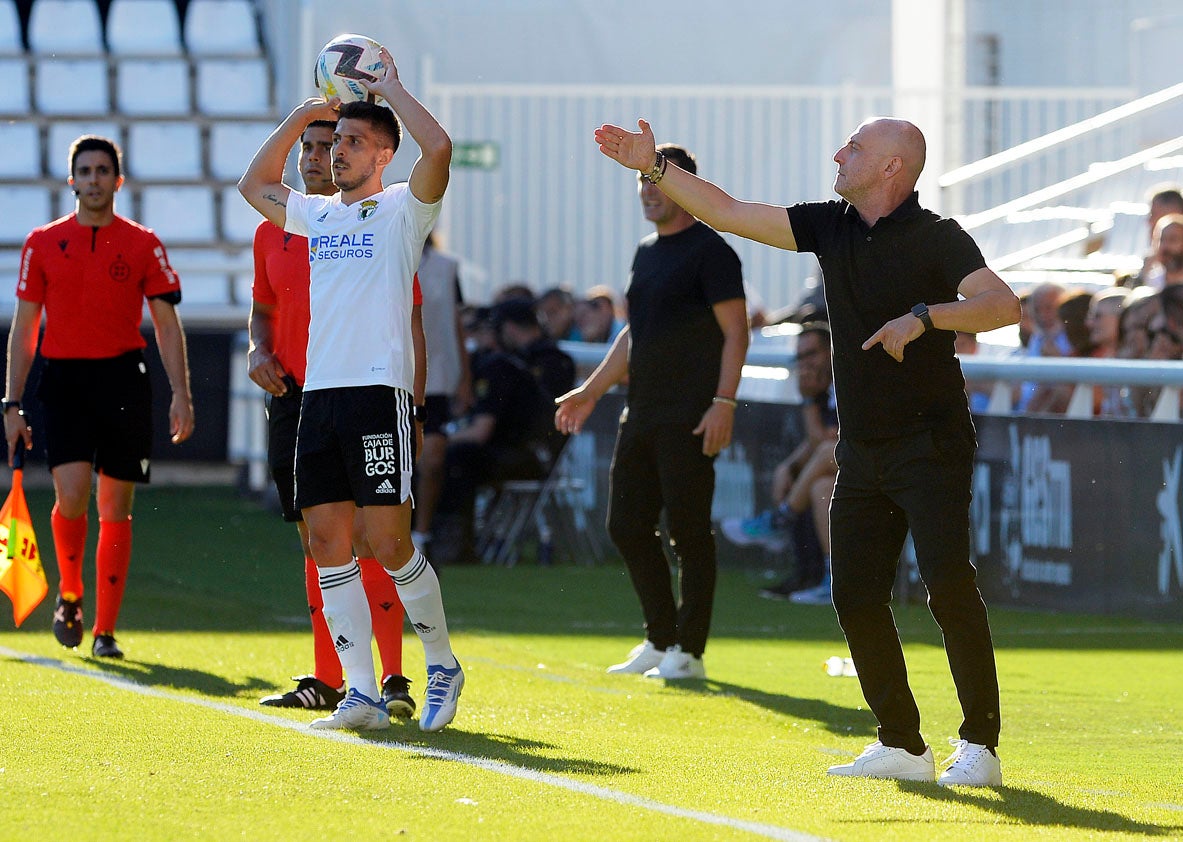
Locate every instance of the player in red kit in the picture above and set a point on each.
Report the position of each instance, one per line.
(90, 272)
(277, 363)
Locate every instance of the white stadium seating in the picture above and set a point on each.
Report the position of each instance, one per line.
(164, 151)
(239, 220)
(10, 28)
(65, 26)
(25, 208)
(143, 27)
(221, 27)
(72, 86)
(232, 145)
(232, 87)
(23, 156)
(152, 87)
(179, 214)
(14, 93)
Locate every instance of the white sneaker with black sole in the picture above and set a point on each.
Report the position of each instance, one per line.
(676, 665)
(971, 765)
(643, 657)
(880, 761)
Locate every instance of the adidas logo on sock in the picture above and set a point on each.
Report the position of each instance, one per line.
(423, 628)
(385, 488)
(343, 643)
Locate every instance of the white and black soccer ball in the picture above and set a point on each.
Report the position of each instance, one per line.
(343, 63)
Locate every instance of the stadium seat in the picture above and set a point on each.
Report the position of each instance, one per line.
(23, 144)
(232, 145)
(65, 26)
(206, 274)
(152, 86)
(62, 134)
(221, 27)
(233, 87)
(10, 29)
(26, 208)
(239, 220)
(178, 214)
(164, 151)
(72, 86)
(143, 27)
(14, 93)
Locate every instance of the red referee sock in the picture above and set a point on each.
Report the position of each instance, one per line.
(386, 611)
(326, 664)
(112, 558)
(69, 544)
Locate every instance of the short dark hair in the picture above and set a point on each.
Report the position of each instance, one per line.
(1167, 195)
(679, 155)
(96, 143)
(320, 124)
(379, 117)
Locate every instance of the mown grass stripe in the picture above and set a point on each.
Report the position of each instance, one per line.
(496, 766)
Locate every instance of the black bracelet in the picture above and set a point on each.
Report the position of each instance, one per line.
(657, 171)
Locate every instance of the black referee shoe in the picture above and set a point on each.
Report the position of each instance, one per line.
(67, 622)
(104, 646)
(396, 695)
(311, 694)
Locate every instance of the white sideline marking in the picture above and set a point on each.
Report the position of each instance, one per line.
(497, 766)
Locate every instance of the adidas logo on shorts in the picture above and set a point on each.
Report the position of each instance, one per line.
(385, 488)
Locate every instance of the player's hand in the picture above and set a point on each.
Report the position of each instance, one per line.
(895, 335)
(267, 373)
(180, 418)
(573, 410)
(389, 76)
(16, 428)
(318, 108)
(635, 150)
(715, 428)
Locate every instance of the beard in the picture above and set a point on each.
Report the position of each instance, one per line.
(352, 178)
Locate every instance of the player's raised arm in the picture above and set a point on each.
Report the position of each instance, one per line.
(262, 183)
(754, 220)
(429, 176)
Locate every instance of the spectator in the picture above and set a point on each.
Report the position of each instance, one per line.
(515, 289)
(1167, 250)
(803, 483)
(449, 377)
(965, 344)
(1053, 398)
(1133, 343)
(556, 314)
(597, 316)
(1164, 199)
(1048, 338)
(518, 332)
(1103, 320)
(498, 440)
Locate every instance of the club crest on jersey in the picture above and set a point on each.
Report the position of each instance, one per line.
(120, 270)
(366, 209)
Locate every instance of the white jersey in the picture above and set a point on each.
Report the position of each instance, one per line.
(362, 259)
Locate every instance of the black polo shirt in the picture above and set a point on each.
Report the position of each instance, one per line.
(874, 275)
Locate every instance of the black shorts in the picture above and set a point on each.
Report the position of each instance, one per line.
(356, 444)
(283, 419)
(439, 413)
(99, 411)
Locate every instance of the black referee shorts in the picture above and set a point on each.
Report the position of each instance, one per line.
(99, 411)
(283, 420)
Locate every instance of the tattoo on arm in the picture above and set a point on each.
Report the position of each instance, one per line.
(271, 197)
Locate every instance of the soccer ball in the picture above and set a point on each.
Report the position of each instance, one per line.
(343, 62)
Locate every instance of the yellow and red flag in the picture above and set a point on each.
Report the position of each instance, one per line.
(21, 575)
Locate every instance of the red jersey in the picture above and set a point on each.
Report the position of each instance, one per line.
(92, 282)
(282, 277)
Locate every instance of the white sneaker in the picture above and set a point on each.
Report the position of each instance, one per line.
(819, 595)
(356, 712)
(645, 656)
(443, 694)
(880, 761)
(971, 765)
(676, 664)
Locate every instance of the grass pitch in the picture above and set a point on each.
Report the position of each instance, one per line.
(172, 744)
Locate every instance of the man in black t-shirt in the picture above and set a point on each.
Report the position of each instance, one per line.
(899, 281)
(683, 354)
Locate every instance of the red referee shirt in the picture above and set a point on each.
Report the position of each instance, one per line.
(92, 283)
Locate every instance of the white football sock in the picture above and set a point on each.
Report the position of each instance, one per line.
(348, 614)
(419, 589)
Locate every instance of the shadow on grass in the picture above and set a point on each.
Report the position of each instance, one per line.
(177, 678)
(1029, 807)
(836, 719)
(500, 748)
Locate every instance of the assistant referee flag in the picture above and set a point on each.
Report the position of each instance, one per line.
(21, 575)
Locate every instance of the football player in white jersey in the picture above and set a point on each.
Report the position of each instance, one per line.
(355, 447)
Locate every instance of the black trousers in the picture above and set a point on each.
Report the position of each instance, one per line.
(884, 488)
(659, 467)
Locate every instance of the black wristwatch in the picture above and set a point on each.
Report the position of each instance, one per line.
(6, 405)
(421, 414)
(920, 311)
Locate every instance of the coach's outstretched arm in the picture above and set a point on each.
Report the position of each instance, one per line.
(262, 183)
(754, 220)
(429, 176)
(575, 406)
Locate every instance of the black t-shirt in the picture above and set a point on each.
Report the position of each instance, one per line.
(504, 388)
(874, 275)
(677, 344)
(552, 367)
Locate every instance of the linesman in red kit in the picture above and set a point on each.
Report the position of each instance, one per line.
(90, 272)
